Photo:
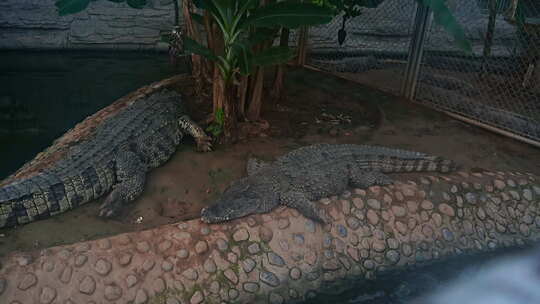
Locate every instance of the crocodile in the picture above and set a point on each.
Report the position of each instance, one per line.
(113, 159)
(309, 173)
(283, 257)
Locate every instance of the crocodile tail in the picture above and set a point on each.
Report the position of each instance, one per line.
(421, 164)
(33, 198)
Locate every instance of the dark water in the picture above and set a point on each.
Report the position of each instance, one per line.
(42, 95)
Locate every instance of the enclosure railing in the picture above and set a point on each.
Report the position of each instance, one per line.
(397, 48)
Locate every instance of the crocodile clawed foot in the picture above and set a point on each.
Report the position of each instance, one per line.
(111, 206)
(204, 144)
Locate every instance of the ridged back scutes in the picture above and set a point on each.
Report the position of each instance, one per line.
(313, 154)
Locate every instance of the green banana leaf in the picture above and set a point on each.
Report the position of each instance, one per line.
(288, 14)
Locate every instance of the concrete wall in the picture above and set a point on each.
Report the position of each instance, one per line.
(35, 24)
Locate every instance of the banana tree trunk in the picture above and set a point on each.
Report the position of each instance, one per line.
(277, 88)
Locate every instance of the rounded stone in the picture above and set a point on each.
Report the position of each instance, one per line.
(406, 249)
(254, 248)
(250, 287)
(447, 210)
(104, 244)
(265, 234)
(148, 265)
(233, 294)
(275, 298)
(183, 253)
(64, 254)
(143, 246)
(284, 245)
(158, 285)
(358, 203)
(399, 211)
(342, 231)
(27, 281)
(241, 235)
(231, 276)
(191, 274)
(269, 278)
(248, 265)
(210, 266)
(65, 276)
(201, 247)
(447, 234)
(87, 285)
(437, 219)
(222, 244)
(167, 266)
(372, 217)
(310, 226)
(369, 264)
(165, 245)
(205, 230)
(125, 259)
(113, 292)
(80, 260)
(47, 295)
(392, 256)
(471, 198)
(427, 205)
(48, 266)
(427, 231)
(275, 259)
(131, 280)
(295, 273)
(298, 239)
(214, 287)
(373, 203)
(283, 223)
(401, 227)
(392, 243)
(232, 257)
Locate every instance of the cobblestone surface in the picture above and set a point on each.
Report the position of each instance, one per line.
(282, 256)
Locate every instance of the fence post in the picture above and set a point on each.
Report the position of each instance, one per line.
(416, 49)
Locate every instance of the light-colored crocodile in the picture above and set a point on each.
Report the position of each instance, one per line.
(281, 256)
(310, 173)
(112, 158)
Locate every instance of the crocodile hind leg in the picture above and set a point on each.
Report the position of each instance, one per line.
(204, 142)
(364, 178)
(299, 201)
(130, 176)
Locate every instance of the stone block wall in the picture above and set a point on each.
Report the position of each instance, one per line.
(35, 24)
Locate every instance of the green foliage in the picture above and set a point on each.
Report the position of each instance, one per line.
(216, 128)
(67, 7)
(244, 23)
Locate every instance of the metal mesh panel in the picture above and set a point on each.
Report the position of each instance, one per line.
(375, 49)
(499, 83)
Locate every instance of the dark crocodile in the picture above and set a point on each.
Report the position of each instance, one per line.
(310, 173)
(115, 155)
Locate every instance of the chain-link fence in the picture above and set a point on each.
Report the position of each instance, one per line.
(497, 85)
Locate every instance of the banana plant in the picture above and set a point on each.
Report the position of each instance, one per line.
(244, 24)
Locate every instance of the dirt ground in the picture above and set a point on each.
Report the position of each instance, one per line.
(318, 108)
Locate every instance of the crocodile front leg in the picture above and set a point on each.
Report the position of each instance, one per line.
(131, 176)
(299, 201)
(204, 142)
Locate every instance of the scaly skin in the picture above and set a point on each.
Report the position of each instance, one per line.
(310, 173)
(281, 256)
(113, 159)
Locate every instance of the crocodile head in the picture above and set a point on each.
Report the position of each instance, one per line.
(243, 197)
